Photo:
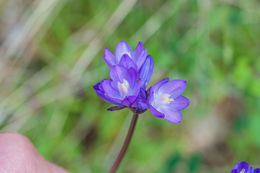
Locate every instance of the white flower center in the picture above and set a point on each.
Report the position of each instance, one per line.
(123, 87)
(164, 99)
(242, 171)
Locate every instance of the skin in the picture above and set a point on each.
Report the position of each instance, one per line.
(18, 155)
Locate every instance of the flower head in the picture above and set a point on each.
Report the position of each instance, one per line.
(165, 99)
(244, 167)
(130, 72)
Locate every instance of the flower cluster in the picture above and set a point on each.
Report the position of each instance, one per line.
(244, 167)
(130, 72)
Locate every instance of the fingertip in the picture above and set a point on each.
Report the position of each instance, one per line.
(13, 142)
(17, 154)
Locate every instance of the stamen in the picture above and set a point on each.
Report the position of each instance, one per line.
(165, 99)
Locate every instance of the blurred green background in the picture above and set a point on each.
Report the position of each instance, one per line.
(51, 56)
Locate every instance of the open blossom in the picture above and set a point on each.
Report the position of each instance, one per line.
(130, 72)
(137, 59)
(165, 99)
(244, 167)
(122, 89)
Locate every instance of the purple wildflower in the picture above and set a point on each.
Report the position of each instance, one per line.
(165, 99)
(244, 167)
(122, 89)
(130, 73)
(257, 170)
(137, 59)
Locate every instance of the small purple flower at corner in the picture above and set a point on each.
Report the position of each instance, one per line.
(165, 99)
(244, 167)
